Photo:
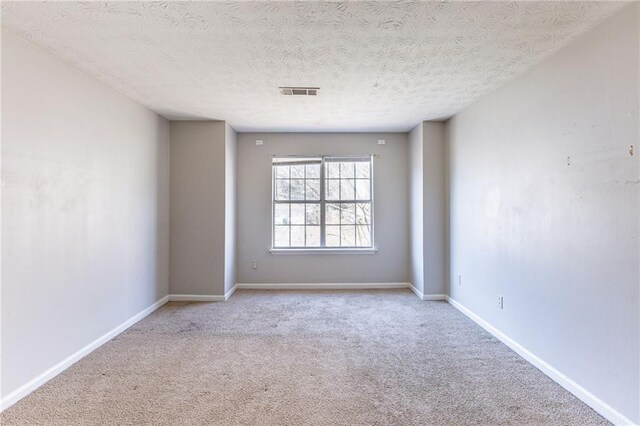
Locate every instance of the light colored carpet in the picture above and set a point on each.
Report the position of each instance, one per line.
(293, 358)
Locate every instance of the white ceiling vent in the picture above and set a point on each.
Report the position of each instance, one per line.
(299, 91)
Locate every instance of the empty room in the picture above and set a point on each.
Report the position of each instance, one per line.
(320, 213)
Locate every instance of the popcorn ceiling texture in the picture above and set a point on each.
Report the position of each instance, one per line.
(380, 65)
(303, 358)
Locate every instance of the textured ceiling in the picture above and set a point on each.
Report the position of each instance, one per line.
(380, 65)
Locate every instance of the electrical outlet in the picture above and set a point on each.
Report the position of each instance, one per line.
(254, 265)
(381, 141)
(459, 280)
(500, 302)
(259, 142)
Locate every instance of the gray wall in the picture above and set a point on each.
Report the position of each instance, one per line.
(230, 209)
(416, 206)
(427, 211)
(390, 264)
(433, 199)
(559, 241)
(84, 210)
(197, 207)
(202, 207)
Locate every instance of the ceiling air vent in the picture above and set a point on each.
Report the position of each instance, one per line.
(299, 91)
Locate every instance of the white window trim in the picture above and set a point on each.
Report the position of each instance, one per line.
(326, 250)
(372, 249)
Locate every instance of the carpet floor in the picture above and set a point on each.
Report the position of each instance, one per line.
(380, 357)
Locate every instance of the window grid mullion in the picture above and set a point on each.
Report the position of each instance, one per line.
(322, 204)
(340, 204)
(304, 195)
(289, 216)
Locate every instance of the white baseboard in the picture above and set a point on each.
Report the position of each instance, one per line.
(587, 397)
(434, 297)
(202, 297)
(430, 297)
(416, 291)
(319, 286)
(49, 374)
(195, 298)
(228, 294)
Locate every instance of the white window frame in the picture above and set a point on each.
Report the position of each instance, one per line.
(323, 249)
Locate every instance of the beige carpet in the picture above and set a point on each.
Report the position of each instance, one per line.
(294, 358)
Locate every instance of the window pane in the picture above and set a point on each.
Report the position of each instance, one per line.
(281, 214)
(297, 171)
(332, 170)
(297, 236)
(297, 189)
(313, 189)
(347, 189)
(363, 190)
(363, 236)
(282, 172)
(347, 170)
(348, 214)
(281, 236)
(363, 213)
(297, 203)
(332, 238)
(348, 236)
(363, 170)
(313, 171)
(332, 214)
(282, 189)
(313, 236)
(297, 214)
(333, 189)
(313, 214)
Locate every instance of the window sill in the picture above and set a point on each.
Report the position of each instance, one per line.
(325, 251)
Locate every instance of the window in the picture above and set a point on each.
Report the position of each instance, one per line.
(322, 202)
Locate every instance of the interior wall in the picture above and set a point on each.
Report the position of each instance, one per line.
(416, 209)
(428, 210)
(391, 213)
(433, 199)
(230, 209)
(85, 174)
(544, 208)
(198, 207)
